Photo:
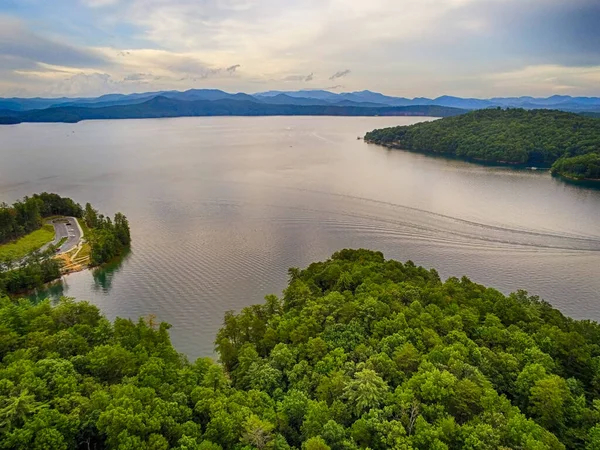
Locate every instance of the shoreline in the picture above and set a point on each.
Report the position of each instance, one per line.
(477, 161)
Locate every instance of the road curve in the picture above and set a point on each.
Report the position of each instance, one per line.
(66, 227)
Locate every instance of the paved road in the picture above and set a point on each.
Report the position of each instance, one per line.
(66, 227)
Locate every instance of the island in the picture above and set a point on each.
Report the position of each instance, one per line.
(566, 143)
(359, 352)
(45, 236)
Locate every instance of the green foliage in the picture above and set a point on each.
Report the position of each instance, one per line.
(579, 167)
(513, 136)
(108, 239)
(361, 352)
(36, 270)
(25, 216)
(379, 354)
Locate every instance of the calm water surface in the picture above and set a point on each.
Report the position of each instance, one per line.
(220, 208)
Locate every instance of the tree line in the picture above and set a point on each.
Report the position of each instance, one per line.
(360, 352)
(36, 270)
(542, 138)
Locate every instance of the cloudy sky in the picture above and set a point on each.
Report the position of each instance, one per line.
(479, 48)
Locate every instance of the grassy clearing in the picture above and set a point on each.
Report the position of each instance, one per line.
(84, 227)
(61, 242)
(27, 244)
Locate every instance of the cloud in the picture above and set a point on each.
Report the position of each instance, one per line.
(83, 84)
(99, 3)
(138, 77)
(546, 79)
(18, 42)
(399, 47)
(334, 88)
(339, 74)
(305, 78)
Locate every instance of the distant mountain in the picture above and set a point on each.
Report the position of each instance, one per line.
(361, 99)
(207, 94)
(561, 102)
(315, 94)
(24, 104)
(284, 99)
(375, 97)
(162, 106)
(464, 103)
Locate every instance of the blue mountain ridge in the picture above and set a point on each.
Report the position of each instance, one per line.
(363, 99)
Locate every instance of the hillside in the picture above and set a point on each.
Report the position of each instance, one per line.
(360, 352)
(168, 107)
(539, 138)
(313, 97)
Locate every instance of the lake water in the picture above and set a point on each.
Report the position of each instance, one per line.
(221, 207)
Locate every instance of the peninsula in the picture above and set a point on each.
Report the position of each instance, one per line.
(567, 143)
(45, 236)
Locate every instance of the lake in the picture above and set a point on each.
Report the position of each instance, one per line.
(221, 207)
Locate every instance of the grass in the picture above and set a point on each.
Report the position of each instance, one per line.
(85, 251)
(61, 242)
(83, 226)
(27, 244)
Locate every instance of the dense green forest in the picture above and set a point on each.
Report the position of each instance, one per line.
(36, 270)
(27, 215)
(107, 239)
(512, 136)
(360, 352)
(579, 167)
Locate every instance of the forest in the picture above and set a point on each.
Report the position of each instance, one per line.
(359, 352)
(582, 167)
(107, 239)
(539, 138)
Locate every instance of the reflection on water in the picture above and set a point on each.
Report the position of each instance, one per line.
(220, 208)
(53, 291)
(103, 276)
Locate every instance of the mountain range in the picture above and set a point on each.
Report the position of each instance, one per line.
(162, 106)
(211, 102)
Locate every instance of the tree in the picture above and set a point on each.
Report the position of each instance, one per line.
(90, 216)
(257, 432)
(366, 391)
(547, 401)
(315, 443)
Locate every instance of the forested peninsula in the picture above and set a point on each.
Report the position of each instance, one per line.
(103, 240)
(359, 352)
(567, 143)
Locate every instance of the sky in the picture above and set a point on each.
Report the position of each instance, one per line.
(409, 48)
